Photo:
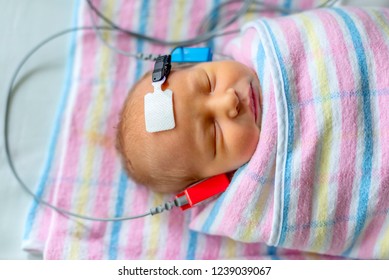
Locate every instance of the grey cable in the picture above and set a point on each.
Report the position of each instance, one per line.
(193, 41)
(113, 27)
(10, 93)
(206, 31)
(139, 55)
(208, 22)
(259, 6)
(153, 211)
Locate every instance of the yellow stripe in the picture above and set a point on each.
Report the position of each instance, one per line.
(256, 214)
(324, 157)
(154, 242)
(384, 246)
(381, 21)
(230, 248)
(95, 116)
(179, 9)
(250, 16)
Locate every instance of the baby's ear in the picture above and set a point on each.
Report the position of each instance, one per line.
(118, 141)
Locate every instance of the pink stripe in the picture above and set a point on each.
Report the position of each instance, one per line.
(270, 14)
(196, 17)
(213, 245)
(266, 227)
(291, 254)
(307, 4)
(134, 244)
(247, 41)
(254, 250)
(235, 212)
(308, 131)
(74, 143)
(380, 52)
(175, 237)
(270, 132)
(222, 41)
(339, 53)
(107, 169)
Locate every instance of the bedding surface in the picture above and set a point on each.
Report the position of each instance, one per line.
(84, 173)
(32, 130)
(319, 179)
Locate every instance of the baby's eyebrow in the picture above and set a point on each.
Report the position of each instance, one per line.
(192, 81)
(205, 80)
(196, 80)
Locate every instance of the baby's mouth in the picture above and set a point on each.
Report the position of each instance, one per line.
(253, 104)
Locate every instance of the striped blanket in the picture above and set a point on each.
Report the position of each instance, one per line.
(319, 179)
(83, 173)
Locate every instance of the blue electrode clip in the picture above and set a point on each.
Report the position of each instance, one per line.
(182, 55)
(158, 105)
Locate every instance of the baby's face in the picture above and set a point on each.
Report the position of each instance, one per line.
(217, 114)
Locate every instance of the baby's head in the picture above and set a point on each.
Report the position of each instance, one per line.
(217, 115)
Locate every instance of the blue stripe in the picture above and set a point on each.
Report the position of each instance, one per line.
(192, 245)
(290, 136)
(287, 6)
(113, 246)
(261, 62)
(214, 21)
(272, 252)
(213, 214)
(367, 129)
(216, 208)
(56, 129)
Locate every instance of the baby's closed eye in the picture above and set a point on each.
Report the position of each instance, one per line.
(217, 136)
(205, 82)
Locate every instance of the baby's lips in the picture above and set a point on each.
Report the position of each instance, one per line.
(253, 104)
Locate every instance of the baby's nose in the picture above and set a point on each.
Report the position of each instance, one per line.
(227, 103)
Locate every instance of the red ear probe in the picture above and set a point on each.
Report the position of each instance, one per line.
(202, 191)
(196, 193)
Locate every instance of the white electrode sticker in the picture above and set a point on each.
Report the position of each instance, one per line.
(159, 114)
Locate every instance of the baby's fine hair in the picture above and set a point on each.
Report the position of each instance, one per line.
(143, 166)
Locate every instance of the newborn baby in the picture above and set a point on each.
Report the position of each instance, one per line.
(217, 113)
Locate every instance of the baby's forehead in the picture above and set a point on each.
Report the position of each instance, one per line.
(144, 85)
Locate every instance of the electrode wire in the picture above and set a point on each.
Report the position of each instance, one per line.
(113, 27)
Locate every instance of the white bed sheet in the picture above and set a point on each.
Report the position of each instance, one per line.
(23, 24)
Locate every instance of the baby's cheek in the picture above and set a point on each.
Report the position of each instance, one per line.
(246, 146)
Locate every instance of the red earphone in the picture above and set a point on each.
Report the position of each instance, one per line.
(203, 190)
